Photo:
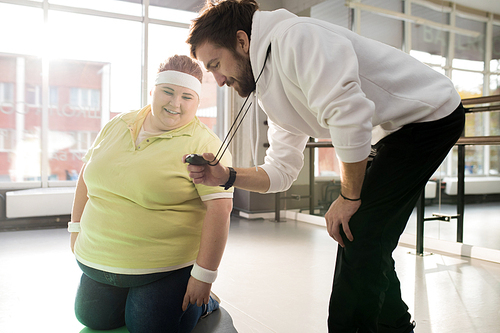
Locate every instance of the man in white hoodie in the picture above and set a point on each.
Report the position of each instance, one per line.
(316, 79)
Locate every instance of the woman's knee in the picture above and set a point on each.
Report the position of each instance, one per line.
(100, 319)
(100, 306)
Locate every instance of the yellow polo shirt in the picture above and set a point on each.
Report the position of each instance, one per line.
(144, 214)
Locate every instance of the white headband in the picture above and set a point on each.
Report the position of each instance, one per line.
(179, 79)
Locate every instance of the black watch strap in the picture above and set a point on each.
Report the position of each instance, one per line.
(230, 181)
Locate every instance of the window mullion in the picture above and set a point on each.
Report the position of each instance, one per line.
(145, 52)
(44, 135)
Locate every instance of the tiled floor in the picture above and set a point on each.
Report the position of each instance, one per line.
(275, 277)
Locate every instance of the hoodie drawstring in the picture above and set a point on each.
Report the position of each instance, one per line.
(257, 136)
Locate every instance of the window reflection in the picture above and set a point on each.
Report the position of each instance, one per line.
(20, 120)
(470, 48)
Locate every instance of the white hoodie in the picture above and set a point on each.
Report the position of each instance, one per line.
(322, 80)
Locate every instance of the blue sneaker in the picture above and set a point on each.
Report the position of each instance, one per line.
(213, 304)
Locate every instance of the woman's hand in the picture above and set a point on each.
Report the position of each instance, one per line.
(197, 292)
(73, 237)
(206, 174)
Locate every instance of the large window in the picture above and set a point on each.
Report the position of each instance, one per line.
(462, 44)
(463, 62)
(20, 74)
(66, 71)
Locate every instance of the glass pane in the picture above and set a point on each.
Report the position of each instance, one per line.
(327, 164)
(474, 164)
(494, 120)
(207, 111)
(494, 123)
(159, 50)
(449, 167)
(384, 29)
(91, 80)
(129, 7)
(159, 12)
(474, 124)
(77, 115)
(333, 11)
(430, 59)
(20, 82)
(469, 48)
(468, 84)
(24, 24)
(468, 64)
(496, 47)
(474, 155)
(20, 118)
(494, 85)
(428, 40)
(393, 5)
(494, 160)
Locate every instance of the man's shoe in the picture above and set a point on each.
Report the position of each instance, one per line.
(414, 324)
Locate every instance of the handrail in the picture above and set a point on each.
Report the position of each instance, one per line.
(481, 100)
(479, 140)
(461, 143)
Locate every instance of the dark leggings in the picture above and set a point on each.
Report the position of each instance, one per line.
(148, 303)
(366, 294)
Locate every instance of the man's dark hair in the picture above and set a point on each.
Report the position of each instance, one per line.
(218, 22)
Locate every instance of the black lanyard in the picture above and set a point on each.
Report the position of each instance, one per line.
(238, 115)
(197, 159)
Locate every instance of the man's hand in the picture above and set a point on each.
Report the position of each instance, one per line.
(197, 292)
(206, 174)
(338, 216)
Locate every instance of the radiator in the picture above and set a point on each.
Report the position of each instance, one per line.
(39, 202)
(473, 185)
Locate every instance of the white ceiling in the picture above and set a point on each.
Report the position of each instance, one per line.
(194, 5)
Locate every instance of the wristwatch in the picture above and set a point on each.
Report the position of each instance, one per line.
(230, 181)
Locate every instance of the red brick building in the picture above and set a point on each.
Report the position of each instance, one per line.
(79, 106)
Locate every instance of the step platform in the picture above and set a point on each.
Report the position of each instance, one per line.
(218, 321)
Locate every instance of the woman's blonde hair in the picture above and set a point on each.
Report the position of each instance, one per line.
(184, 64)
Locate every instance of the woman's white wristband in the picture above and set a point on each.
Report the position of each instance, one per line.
(74, 226)
(203, 275)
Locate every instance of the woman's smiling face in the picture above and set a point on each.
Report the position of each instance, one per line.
(172, 106)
